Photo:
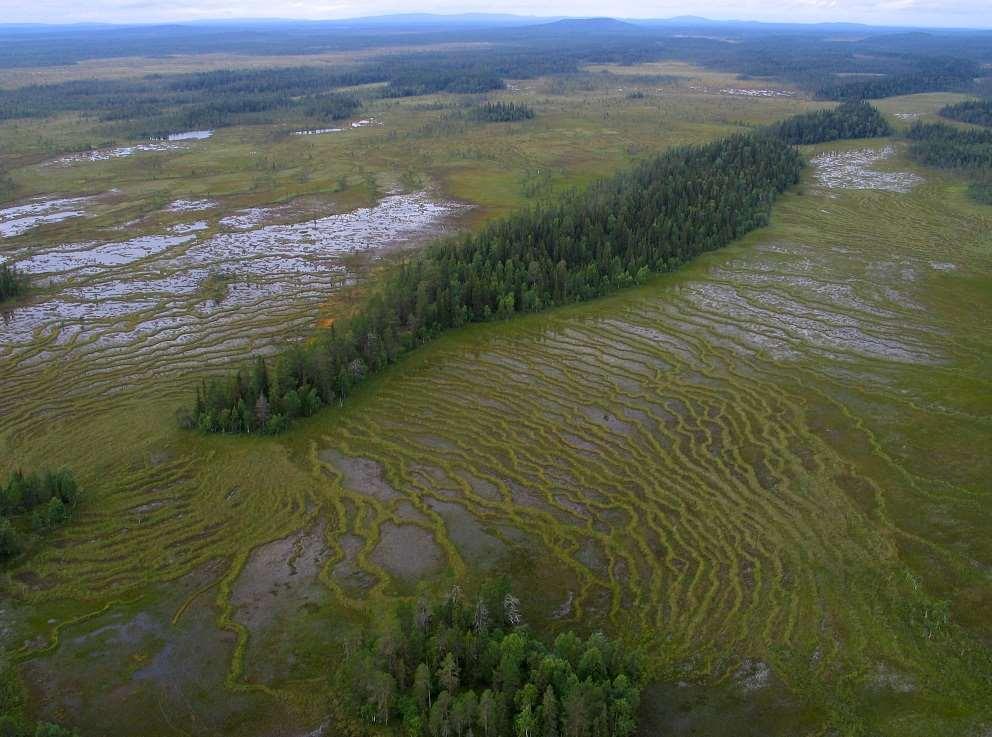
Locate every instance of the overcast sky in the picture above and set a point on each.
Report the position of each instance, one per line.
(956, 13)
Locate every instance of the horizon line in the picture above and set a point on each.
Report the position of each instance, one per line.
(539, 20)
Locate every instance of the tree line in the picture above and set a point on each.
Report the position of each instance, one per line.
(463, 666)
(928, 75)
(12, 282)
(616, 233)
(847, 120)
(7, 185)
(947, 147)
(156, 105)
(982, 191)
(161, 103)
(977, 112)
(944, 146)
(502, 112)
(49, 498)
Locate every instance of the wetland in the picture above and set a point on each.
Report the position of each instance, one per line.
(764, 472)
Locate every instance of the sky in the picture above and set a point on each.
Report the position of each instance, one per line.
(942, 13)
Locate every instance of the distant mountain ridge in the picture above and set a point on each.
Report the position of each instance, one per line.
(431, 22)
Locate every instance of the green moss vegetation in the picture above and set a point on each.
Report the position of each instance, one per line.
(464, 665)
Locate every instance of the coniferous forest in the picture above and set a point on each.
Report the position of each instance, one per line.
(48, 498)
(927, 75)
(502, 112)
(12, 282)
(977, 112)
(461, 666)
(619, 232)
(848, 120)
(981, 191)
(653, 218)
(941, 145)
(947, 147)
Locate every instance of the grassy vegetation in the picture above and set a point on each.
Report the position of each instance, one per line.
(762, 469)
(215, 286)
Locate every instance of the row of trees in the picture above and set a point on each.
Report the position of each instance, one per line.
(978, 112)
(470, 666)
(12, 282)
(617, 233)
(49, 498)
(847, 120)
(502, 112)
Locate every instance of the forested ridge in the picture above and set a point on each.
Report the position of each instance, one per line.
(977, 112)
(462, 666)
(618, 232)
